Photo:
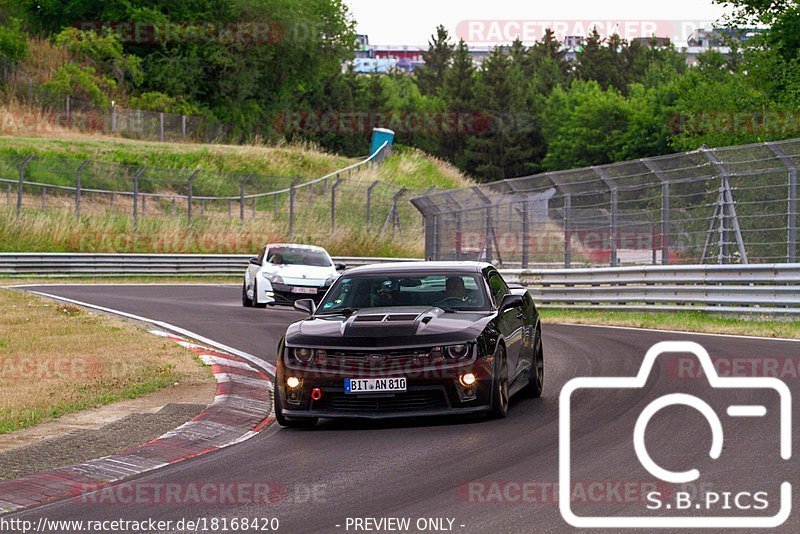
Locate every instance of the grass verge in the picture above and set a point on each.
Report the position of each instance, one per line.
(684, 321)
(57, 359)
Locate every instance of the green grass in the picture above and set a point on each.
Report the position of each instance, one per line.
(683, 321)
(276, 166)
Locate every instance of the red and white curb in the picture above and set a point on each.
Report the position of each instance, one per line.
(241, 409)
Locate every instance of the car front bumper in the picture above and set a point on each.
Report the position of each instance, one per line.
(430, 392)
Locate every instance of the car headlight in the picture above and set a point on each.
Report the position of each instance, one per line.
(305, 355)
(458, 352)
(273, 278)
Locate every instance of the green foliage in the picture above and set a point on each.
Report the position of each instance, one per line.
(13, 42)
(102, 52)
(82, 83)
(155, 101)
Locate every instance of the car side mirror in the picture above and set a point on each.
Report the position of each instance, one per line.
(254, 261)
(511, 301)
(306, 305)
(340, 266)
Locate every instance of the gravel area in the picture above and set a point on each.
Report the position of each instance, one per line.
(82, 445)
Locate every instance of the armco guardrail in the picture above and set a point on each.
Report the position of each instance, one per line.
(766, 289)
(753, 289)
(110, 265)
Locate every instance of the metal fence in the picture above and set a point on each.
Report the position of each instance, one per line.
(767, 289)
(734, 205)
(57, 110)
(346, 197)
(150, 265)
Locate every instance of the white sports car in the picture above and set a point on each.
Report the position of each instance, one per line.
(282, 274)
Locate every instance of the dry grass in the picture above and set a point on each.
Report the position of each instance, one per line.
(57, 359)
(57, 230)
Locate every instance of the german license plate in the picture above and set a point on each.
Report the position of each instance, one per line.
(305, 290)
(374, 385)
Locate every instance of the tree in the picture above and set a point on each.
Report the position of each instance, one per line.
(430, 77)
(458, 93)
(505, 149)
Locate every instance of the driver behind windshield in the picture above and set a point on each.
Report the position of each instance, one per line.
(454, 288)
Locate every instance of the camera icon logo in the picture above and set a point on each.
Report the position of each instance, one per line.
(642, 454)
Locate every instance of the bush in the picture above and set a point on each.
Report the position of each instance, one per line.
(81, 83)
(104, 52)
(13, 43)
(156, 101)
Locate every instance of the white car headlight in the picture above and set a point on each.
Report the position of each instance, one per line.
(273, 278)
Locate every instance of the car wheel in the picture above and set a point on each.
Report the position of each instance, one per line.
(288, 422)
(500, 395)
(256, 304)
(247, 302)
(535, 386)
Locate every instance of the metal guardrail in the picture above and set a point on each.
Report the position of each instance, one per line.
(745, 289)
(116, 265)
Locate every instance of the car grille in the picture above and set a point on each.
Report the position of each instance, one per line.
(424, 400)
(378, 361)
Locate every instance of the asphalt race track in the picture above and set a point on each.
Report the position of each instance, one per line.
(423, 469)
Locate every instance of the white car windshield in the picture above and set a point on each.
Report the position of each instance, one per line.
(298, 256)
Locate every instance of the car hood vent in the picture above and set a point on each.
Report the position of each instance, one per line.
(386, 318)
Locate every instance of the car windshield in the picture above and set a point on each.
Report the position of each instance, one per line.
(451, 292)
(298, 256)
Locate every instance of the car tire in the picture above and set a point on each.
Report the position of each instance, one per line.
(247, 302)
(500, 390)
(535, 386)
(288, 422)
(257, 304)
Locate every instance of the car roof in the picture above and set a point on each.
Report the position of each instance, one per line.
(422, 267)
(295, 245)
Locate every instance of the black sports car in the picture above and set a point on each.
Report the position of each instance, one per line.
(407, 340)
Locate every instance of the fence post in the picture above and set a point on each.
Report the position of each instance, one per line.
(174, 206)
(333, 202)
(791, 243)
(275, 207)
(183, 126)
(69, 112)
(393, 216)
(526, 234)
(242, 185)
(665, 235)
(136, 197)
(113, 117)
(20, 184)
(78, 188)
(613, 222)
(727, 210)
(189, 199)
(567, 230)
(369, 200)
(291, 206)
(161, 126)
